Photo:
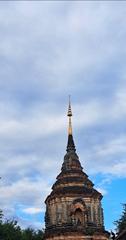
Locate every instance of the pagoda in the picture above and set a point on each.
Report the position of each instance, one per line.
(73, 208)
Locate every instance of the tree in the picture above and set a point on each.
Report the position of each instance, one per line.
(121, 223)
(1, 216)
(10, 230)
(39, 235)
(28, 234)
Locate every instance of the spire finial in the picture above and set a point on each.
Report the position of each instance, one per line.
(69, 114)
(70, 144)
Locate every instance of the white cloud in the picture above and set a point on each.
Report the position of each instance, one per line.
(101, 190)
(79, 41)
(23, 192)
(107, 158)
(112, 147)
(118, 169)
(32, 210)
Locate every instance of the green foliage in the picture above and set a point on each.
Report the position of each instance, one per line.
(28, 234)
(121, 223)
(39, 235)
(10, 230)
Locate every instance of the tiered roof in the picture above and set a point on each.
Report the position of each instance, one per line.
(72, 179)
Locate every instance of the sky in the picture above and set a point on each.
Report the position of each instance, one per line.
(48, 50)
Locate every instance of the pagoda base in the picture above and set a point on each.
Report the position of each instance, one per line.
(76, 236)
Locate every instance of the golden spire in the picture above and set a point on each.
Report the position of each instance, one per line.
(69, 114)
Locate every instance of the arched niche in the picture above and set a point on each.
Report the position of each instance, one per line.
(78, 212)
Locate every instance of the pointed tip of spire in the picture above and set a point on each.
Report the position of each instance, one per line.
(69, 114)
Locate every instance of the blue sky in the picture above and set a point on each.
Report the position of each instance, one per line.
(49, 50)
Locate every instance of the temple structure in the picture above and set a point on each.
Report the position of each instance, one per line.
(73, 208)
